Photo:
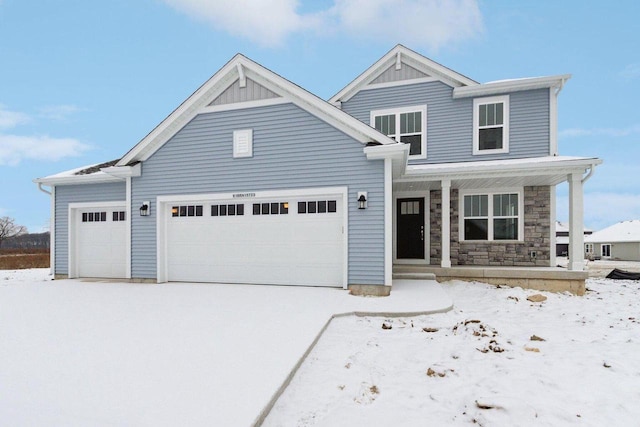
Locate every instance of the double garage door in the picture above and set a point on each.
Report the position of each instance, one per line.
(277, 240)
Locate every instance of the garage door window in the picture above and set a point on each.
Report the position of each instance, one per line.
(227, 210)
(188, 210)
(317, 206)
(118, 216)
(273, 208)
(94, 216)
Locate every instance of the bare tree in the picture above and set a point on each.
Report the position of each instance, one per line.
(9, 229)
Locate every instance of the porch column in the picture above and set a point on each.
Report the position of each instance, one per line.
(576, 222)
(446, 223)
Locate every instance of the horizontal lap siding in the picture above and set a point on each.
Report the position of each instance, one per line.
(65, 194)
(291, 149)
(450, 121)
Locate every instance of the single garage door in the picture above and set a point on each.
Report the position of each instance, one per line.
(284, 241)
(101, 242)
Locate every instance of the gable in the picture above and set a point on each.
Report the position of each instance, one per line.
(395, 74)
(250, 91)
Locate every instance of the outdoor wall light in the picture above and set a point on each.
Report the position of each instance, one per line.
(145, 209)
(362, 200)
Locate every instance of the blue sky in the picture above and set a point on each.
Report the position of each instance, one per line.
(81, 82)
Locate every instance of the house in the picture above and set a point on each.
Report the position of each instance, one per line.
(253, 179)
(620, 241)
(562, 238)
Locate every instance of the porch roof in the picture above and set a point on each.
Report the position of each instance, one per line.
(548, 170)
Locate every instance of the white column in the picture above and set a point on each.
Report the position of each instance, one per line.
(446, 223)
(388, 223)
(576, 222)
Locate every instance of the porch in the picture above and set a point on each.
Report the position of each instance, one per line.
(552, 279)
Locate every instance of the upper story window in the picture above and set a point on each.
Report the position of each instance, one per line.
(491, 125)
(407, 124)
(491, 216)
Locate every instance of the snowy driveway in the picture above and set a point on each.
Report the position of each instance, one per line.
(80, 353)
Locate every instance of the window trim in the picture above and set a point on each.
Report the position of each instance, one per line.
(490, 217)
(602, 246)
(477, 102)
(401, 110)
(589, 249)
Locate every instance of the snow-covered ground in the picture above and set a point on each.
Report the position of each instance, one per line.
(497, 359)
(79, 353)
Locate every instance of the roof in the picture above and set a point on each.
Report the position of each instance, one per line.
(624, 231)
(512, 85)
(563, 227)
(240, 67)
(401, 54)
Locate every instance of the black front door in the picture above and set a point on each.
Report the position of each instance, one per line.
(410, 228)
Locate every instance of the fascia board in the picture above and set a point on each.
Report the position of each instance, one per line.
(496, 88)
(123, 171)
(518, 169)
(95, 178)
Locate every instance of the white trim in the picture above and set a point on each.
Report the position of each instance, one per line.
(72, 233)
(52, 232)
(128, 232)
(399, 83)
(445, 234)
(242, 79)
(243, 105)
(389, 202)
(576, 222)
(477, 102)
(489, 192)
(409, 57)
(163, 201)
(553, 122)
(402, 110)
(602, 245)
(426, 195)
(398, 60)
(123, 171)
(552, 229)
(93, 178)
(507, 86)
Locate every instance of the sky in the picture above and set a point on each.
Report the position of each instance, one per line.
(83, 82)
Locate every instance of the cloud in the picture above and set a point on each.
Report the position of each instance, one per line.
(602, 209)
(11, 119)
(611, 132)
(631, 71)
(15, 148)
(428, 23)
(58, 113)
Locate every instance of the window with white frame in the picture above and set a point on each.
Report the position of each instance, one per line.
(491, 125)
(491, 216)
(588, 248)
(605, 250)
(407, 124)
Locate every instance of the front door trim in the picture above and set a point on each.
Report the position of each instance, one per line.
(427, 232)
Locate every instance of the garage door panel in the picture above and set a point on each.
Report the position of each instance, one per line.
(100, 243)
(291, 248)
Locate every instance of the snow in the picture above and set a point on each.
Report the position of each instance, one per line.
(586, 371)
(78, 353)
(624, 231)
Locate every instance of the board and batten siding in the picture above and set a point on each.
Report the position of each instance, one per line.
(291, 149)
(450, 121)
(65, 194)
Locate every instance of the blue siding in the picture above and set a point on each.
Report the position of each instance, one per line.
(291, 149)
(450, 121)
(251, 92)
(65, 194)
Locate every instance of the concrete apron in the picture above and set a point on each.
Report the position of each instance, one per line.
(408, 298)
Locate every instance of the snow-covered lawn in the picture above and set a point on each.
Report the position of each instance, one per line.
(495, 360)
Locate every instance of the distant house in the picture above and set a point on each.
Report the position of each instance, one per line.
(253, 179)
(562, 238)
(620, 241)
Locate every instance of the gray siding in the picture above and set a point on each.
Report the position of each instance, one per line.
(291, 149)
(65, 194)
(450, 121)
(404, 73)
(251, 92)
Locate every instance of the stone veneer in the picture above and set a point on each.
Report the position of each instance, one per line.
(537, 228)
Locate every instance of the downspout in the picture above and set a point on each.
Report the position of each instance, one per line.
(588, 175)
(42, 189)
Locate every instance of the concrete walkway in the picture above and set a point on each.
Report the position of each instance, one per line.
(166, 354)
